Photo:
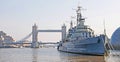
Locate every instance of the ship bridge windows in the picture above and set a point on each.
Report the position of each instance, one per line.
(81, 34)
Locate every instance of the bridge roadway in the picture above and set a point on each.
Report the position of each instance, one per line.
(49, 30)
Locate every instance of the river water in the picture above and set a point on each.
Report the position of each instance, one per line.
(43, 55)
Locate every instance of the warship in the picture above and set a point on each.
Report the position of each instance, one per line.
(81, 39)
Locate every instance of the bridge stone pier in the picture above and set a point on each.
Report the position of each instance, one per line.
(35, 31)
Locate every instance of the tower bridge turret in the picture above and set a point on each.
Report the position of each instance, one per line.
(34, 37)
(63, 32)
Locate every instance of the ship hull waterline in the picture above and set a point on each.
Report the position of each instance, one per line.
(90, 46)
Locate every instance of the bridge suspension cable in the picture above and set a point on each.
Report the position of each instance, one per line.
(26, 37)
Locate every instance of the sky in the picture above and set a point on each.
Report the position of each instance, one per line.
(18, 16)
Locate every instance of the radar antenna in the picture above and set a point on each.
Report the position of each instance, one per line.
(80, 19)
(104, 27)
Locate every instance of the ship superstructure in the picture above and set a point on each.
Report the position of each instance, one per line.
(80, 31)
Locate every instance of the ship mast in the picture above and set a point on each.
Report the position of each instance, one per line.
(104, 27)
(71, 25)
(80, 20)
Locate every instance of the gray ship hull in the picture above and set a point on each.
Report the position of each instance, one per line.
(92, 46)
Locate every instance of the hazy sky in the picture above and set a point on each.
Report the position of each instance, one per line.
(18, 16)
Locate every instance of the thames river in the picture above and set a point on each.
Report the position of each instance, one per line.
(43, 55)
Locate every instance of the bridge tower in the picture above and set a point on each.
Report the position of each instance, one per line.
(35, 43)
(63, 32)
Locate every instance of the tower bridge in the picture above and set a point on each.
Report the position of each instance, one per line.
(34, 42)
(35, 32)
